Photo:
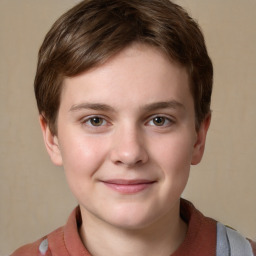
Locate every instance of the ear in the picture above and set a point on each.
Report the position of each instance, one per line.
(51, 142)
(200, 141)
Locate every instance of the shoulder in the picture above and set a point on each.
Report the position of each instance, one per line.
(29, 249)
(212, 236)
(253, 244)
(58, 241)
(39, 247)
(230, 242)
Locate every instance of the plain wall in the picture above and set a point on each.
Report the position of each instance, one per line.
(34, 197)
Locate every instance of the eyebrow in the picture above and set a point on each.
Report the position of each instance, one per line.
(173, 104)
(92, 106)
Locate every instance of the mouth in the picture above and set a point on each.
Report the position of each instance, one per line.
(128, 186)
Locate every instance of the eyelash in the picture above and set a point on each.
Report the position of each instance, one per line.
(88, 121)
(166, 122)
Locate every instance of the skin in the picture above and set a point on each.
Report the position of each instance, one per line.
(127, 138)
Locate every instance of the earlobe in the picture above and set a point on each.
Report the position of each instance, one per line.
(51, 142)
(200, 141)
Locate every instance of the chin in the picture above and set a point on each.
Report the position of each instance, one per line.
(132, 219)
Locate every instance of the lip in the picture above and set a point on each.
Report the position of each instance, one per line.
(128, 186)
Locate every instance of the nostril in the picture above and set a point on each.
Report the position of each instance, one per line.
(130, 161)
(128, 148)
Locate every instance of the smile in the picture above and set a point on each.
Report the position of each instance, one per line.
(128, 186)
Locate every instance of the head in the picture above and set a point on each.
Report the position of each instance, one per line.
(123, 90)
(95, 30)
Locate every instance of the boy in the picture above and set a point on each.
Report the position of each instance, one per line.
(123, 90)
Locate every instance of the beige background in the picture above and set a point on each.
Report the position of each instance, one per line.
(34, 197)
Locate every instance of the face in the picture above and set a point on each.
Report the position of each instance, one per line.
(126, 138)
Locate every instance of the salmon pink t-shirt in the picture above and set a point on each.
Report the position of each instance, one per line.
(200, 240)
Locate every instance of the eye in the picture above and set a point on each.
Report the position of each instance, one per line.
(95, 121)
(160, 121)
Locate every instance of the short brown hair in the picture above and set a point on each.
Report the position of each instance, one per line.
(94, 30)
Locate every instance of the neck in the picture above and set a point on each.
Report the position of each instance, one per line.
(160, 238)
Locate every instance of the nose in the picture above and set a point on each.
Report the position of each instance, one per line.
(128, 148)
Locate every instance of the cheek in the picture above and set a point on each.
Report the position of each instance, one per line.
(82, 155)
(173, 150)
(173, 155)
(82, 158)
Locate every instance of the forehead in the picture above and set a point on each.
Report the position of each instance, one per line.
(139, 70)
